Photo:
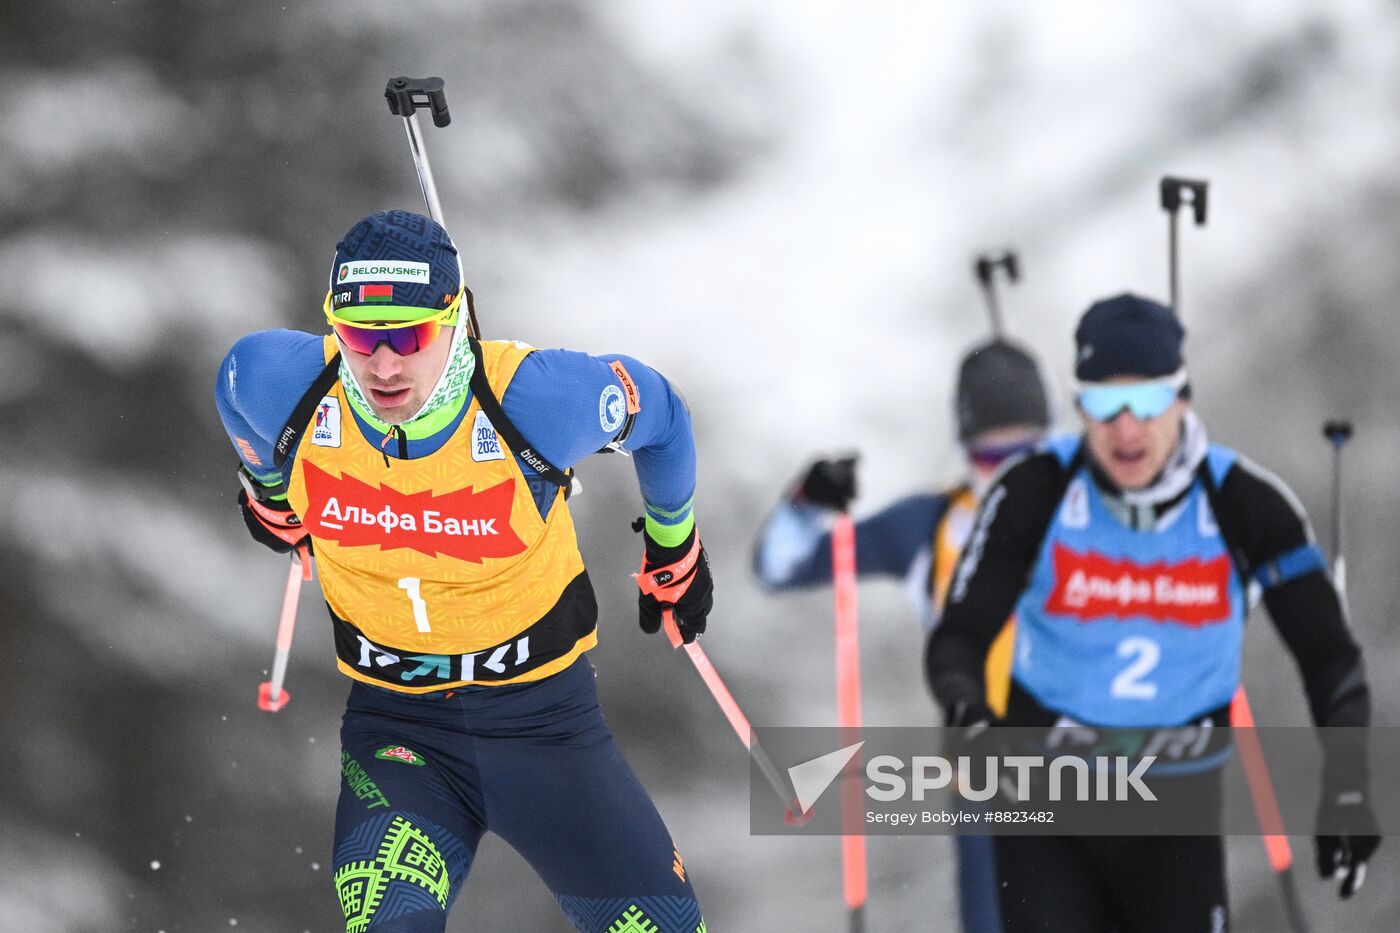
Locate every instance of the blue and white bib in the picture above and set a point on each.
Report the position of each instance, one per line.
(1123, 627)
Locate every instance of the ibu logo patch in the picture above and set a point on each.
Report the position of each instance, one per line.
(485, 444)
(326, 431)
(612, 409)
(399, 753)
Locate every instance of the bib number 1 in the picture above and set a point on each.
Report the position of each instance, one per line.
(410, 586)
(1131, 682)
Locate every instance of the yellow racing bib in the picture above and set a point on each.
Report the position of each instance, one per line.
(440, 571)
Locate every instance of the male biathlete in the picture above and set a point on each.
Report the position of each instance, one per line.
(1002, 412)
(1126, 556)
(430, 472)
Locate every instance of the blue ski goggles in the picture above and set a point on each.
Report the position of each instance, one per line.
(1103, 401)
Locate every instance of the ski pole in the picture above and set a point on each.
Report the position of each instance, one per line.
(405, 97)
(854, 881)
(1171, 190)
(1261, 792)
(730, 707)
(271, 696)
(1261, 786)
(1338, 432)
(985, 269)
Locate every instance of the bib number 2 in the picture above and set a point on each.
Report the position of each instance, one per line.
(1131, 682)
(420, 608)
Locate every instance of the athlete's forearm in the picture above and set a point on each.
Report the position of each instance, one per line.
(986, 584)
(1309, 617)
(1278, 545)
(663, 449)
(793, 549)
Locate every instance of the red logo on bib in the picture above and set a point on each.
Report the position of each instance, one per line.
(1091, 587)
(467, 525)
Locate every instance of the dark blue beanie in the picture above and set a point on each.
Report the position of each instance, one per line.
(397, 259)
(1127, 336)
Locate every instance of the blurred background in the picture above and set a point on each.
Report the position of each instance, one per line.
(776, 204)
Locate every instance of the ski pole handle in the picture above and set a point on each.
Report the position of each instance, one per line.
(405, 96)
(987, 263)
(408, 95)
(1171, 192)
(985, 268)
(673, 632)
(1171, 195)
(1338, 432)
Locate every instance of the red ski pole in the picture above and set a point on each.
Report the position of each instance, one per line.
(730, 707)
(854, 881)
(271, 696)
(1261, 791)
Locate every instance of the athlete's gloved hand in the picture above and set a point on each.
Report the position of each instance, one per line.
(971, 733)
(1348, 834)
(830, 484)
(965, 714)
(272, 524)
(678, 579)
(962, 696)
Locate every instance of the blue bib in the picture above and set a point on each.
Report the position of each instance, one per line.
(1131, 628)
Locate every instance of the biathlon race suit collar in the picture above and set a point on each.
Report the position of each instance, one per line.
(1141, 508)
(451, 388)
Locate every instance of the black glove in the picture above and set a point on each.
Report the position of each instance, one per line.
(273, 524)
(1347, 832)
(970, 733)
(829, 483)
(968, 714)
(678, 579)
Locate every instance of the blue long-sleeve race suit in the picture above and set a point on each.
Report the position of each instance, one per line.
(425, 774)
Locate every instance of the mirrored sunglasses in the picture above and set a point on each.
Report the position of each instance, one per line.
(1143, 400)
(403, 337)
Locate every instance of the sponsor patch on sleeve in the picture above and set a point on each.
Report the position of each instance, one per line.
(634, 401)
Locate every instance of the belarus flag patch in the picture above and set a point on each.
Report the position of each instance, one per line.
(376, 294)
